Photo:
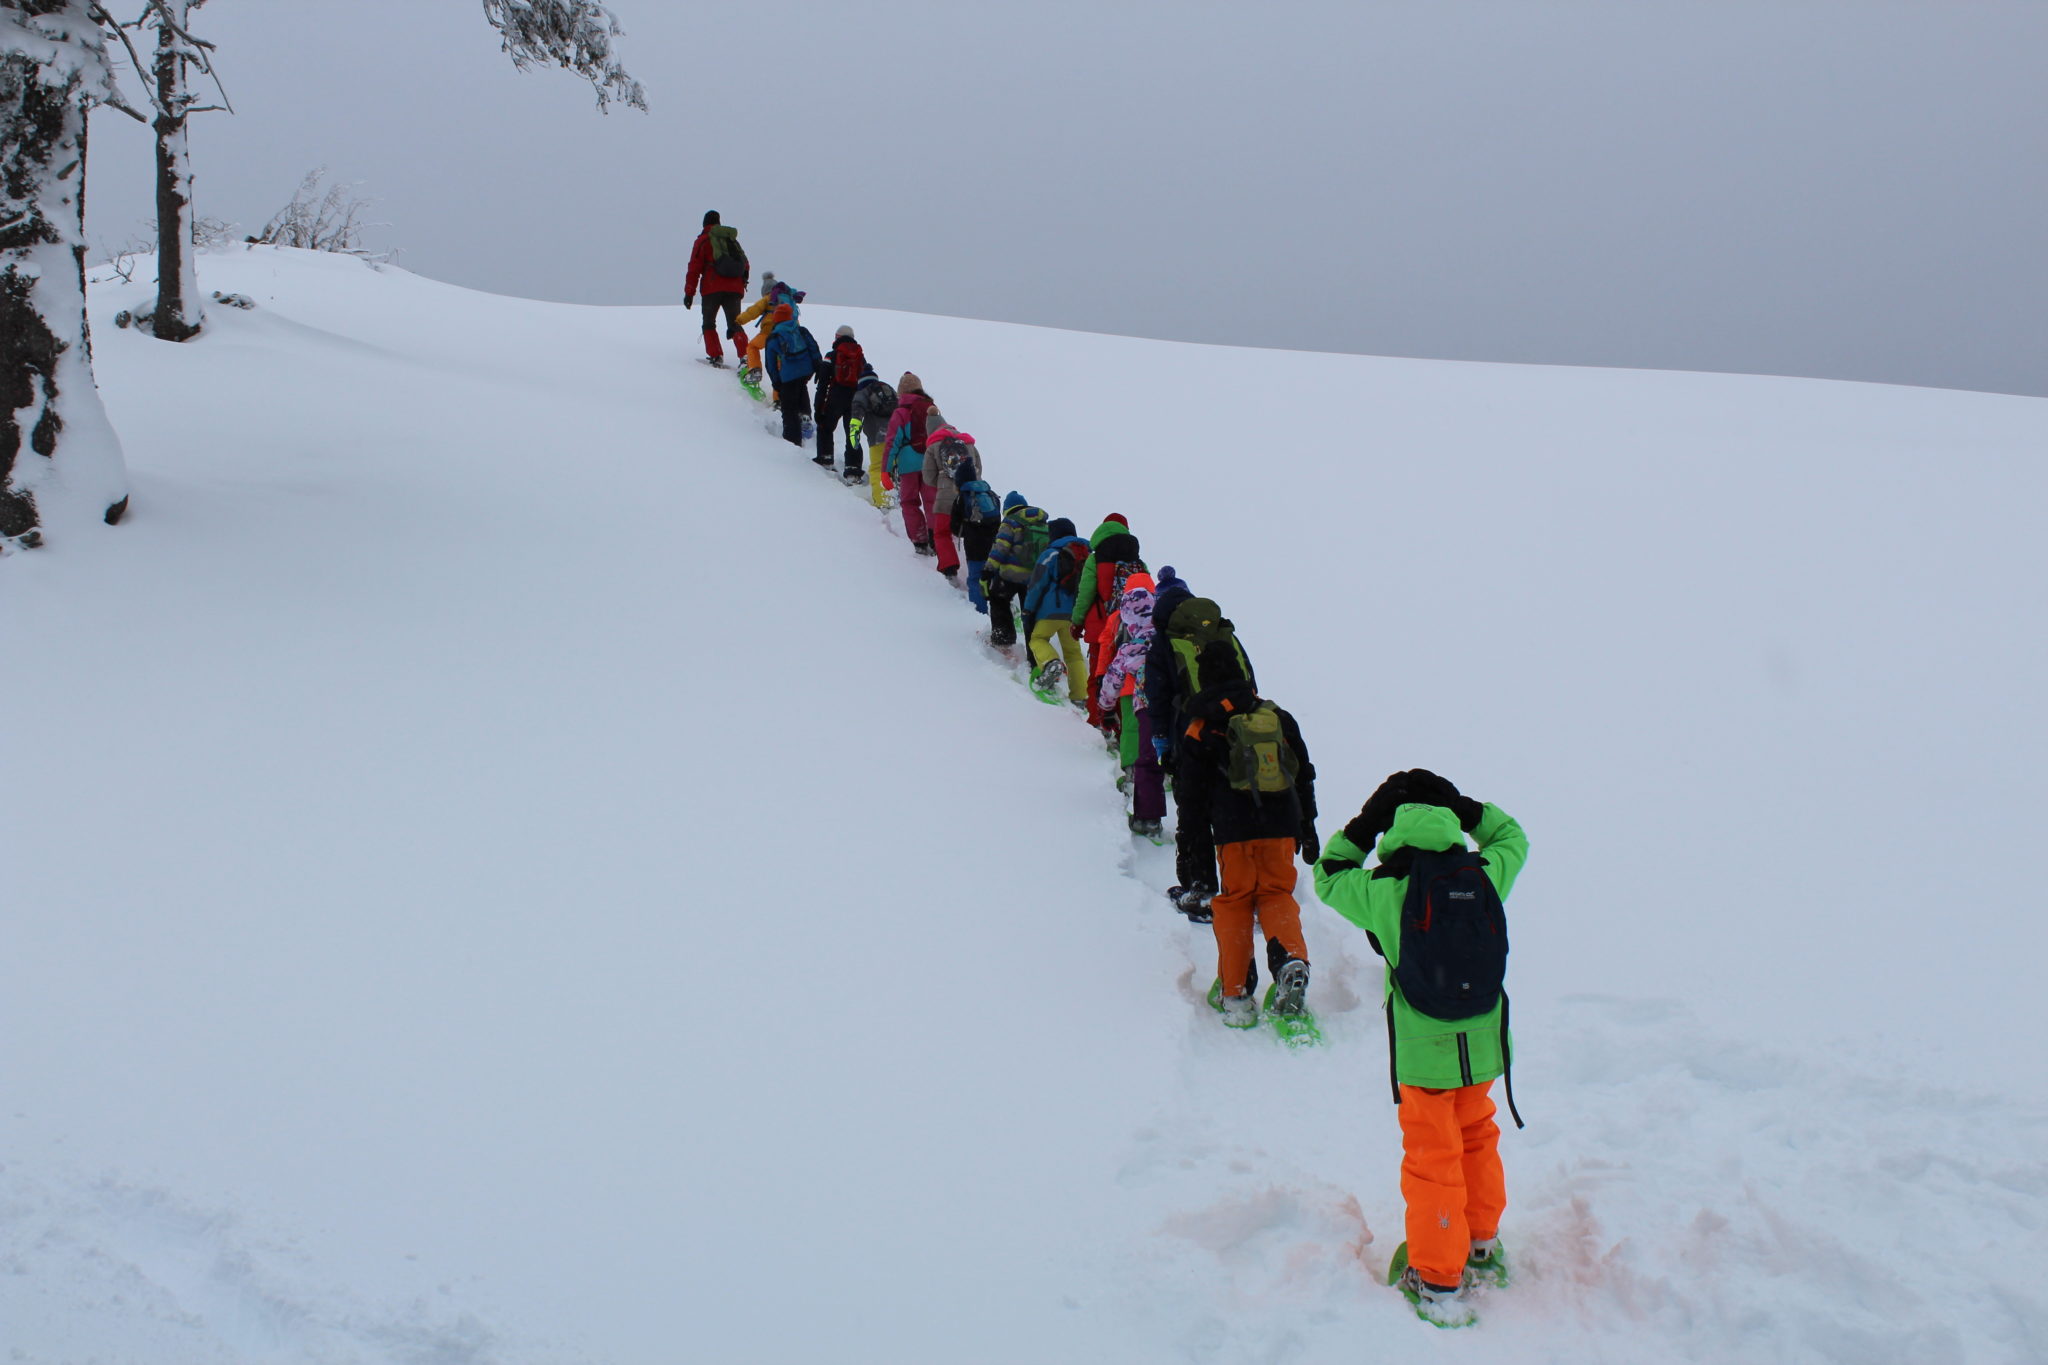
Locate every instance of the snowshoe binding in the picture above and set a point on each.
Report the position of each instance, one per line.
(1284, 1005)
(1238, 1011)
(1047, 684)
(750, 380)
(1192, 901)
(1487, 1266)
(1438, 1305)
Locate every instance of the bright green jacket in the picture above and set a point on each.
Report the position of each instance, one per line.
(1425, 1049)
(1084, 595)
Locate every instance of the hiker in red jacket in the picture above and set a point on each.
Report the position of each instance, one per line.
(718, 246)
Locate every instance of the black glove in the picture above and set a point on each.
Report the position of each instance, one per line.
(1427, 787)
(1310, 847)
(689, 300)
(1376, 816)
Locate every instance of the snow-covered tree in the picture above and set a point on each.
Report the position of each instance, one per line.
(55, 444)
(575, 35)
(59, 458)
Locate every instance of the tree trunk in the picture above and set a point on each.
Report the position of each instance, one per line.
(177, 315)
(59, 459)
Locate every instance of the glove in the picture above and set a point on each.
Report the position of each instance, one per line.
(1429, 789)
(1159, 747)
(1424, 785)
(1376, 816)
(1310, 847)
(689, 300)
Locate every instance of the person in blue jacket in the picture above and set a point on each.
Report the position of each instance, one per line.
(1049, 608)
(791, 358)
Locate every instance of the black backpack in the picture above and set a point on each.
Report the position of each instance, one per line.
(728, 258)
(1454, 937)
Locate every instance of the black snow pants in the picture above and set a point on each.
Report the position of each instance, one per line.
(835, 409)
(1194, 842)
(794, 398)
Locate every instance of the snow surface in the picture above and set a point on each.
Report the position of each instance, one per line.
(506, 863)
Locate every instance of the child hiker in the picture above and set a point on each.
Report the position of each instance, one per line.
(1432, 908)
(1048, 609)
(1122, 695)
(1021, 537)
(1245, 773)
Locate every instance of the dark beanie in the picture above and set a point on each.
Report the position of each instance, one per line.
(710, 217)
(1059, 526)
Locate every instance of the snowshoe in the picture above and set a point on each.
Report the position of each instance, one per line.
(1192, 901)
(1437, 1305)
(853, 478)
(1292, 1021)
(750, 380)
(1238, 1011)
(1487, 1265)
(1152, 830)
(716, 362)
(1046, 683)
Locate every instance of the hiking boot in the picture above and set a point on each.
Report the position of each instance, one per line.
(716, 362)
(952, 574)
(1290, 985)
(1240, 1011)
(853, 476)
(1050, 676)
(1147, 829)
(1188, 899)
(1002, 640)
(924, 547)
(1443, 1305)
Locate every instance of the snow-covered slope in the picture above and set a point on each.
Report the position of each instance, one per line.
(507, 863)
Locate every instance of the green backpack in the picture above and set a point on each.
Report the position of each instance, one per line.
(727, 258)
(1259, 759)
(1198, 629)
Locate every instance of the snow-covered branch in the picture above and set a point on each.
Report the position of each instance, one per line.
(575, 35)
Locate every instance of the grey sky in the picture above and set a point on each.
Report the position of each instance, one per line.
(1847, 188)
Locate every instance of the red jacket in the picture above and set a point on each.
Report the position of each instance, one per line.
(701, 272)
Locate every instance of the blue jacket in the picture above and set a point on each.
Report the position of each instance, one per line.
(1044, 597)
(791, 354)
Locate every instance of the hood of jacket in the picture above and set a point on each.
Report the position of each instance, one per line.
(1116, 548)
(913, 401)
(1429, 828)
(1110, 526)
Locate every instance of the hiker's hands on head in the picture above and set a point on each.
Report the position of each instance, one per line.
(1376, 816)
(1431, 790)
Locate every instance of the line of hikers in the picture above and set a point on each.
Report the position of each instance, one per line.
(1162, 674)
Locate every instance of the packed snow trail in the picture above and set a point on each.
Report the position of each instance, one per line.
(516, 846)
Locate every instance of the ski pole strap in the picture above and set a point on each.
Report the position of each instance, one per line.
(1507, 1062)
(1393, 1069)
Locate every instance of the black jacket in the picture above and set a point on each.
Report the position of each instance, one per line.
(1202, 788)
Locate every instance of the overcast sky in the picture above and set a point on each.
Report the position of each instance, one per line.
(1847, 188)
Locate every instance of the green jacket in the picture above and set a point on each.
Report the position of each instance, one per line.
(1084, 596)
(1425, 1049)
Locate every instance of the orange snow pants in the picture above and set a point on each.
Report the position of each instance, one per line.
(1258, 884)
(1450, 1176)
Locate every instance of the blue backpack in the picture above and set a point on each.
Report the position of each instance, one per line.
(979, 503)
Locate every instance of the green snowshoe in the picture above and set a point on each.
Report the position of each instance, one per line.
(750, 380)
(1296, 1027)
(1436, 1309)
(1048, 684)
(1238, 1011)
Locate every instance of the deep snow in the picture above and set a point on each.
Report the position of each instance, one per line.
(507, 863)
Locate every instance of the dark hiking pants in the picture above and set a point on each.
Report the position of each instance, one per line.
(730, 302)
(835, 409)
(794, 398)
